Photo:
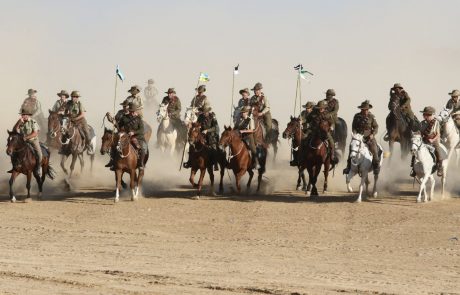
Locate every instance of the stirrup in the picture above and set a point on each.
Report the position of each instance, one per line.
(186, 165)
(293, 163)
(412, 173)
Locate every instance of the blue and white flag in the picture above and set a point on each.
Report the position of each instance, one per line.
(120, 74)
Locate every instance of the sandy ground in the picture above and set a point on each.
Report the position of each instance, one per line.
(277, 243)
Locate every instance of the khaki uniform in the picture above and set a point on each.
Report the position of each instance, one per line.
(333, 109)
(130, 123)
(432, 130)
(137, 100)
(25, 129)
(59, 106)
(150, 93)
(174, 109)
(212, 136)
(304, 119)
(247, 124)
(314, 120)
(200, 101)
(403, 102)
(74, 109)
(367, 125)
(264, 108)
(35, 107)
(455, 107)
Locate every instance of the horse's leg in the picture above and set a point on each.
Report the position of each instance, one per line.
(251, 175)
(14, 174)
(192, 177)
(391, 146)
(361, 187)
(211, 178)
(314, 179)
(72, 164)
(259, 180)
(92, 162)
(118, 176)
(348, 178)
(304, 182)
(275, 150)
(29, 178)
(63, 159)
(222, 173)
(326, 174)
(139, 181)
(374, 191)
(433, 181)
(82, 162)
(39, 183)
(200, 181)
(132, 183)
(422, 187)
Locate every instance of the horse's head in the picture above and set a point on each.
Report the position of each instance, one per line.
(15, 142)
(107, 141)
(227, 137)
(444, 115)
(292, 127)
(416, 142)
(54, 124)
(190, 115)
(356, 144)
(194, 134)
(324, 128)
(162, 112)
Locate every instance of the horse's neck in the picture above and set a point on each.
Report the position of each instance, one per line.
(449, 128)
(423, 155)
(236, 145)
(165, 122)
(298, 135)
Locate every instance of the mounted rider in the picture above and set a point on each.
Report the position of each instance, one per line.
(399, 98)
(454, 105)
(314, 120)
(136, 98)
(332, 106)
(258, 100)
(29, 129)
(124, 112)
(32, 104)
(364, 123)
(246, 126)
(134, 126)
(304, 119)
(60, 104)
(76, 111)
(174, 107)
(430, 130)
(200, 101)
(150, 92)
(210, 129)
(244, 101)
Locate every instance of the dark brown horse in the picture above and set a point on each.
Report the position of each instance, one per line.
(200, 159)
(24, 161)
(125, 161)
(54, 131)
(316, 155)
(398, 130)
(272, 137)
(294, 131)
(240, 157)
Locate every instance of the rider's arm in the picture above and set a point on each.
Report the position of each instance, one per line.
(82, 112)
(266, 106)
(375, 126)
(34, 133)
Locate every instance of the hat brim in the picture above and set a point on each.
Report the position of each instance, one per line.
(25, 114)
(454, 94)
(243, 91)
(365, 108)
(428, 113)
(61, 94)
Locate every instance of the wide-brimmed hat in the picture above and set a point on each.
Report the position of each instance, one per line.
(330, 92)
(245, 109)
(31, 91)
(150, 81)
(321, 105)
(170, 90)
(397, 85)
(309, 105)
(205, 109)
(258, 86)
(26, 111)
(244, 90)
(428, 110)
(75, 93)
(133, 107)
(455, 92)
(63, 92)
(201, 88)
(134, 88)
(365, 105)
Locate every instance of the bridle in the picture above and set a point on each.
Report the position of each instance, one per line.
(120, 146)
(230, 140)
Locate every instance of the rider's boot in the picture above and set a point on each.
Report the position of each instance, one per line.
(412, 171)
(376, 167)
(141, 159)
(347, 169)
(294, 161)
(255, 160)
(438, 163)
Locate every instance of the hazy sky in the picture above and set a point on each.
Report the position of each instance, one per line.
(359, 48)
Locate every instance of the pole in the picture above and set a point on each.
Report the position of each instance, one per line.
(296, 92)
(300, 95)
(233, 94)
(115, 97)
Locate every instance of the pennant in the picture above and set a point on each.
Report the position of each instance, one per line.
(236, 71)
(120, 74)
(298, 67)
(302, 74)
(204, 77)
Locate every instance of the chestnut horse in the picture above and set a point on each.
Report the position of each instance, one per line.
(271, 138)
(54, 130)
(294, 131)
(316, 155)
(200, 159)
(24, 161)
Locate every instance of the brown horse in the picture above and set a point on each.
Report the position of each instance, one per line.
(398, 130)
(316, 155)
(200, 158)
(271, 138)
(294, 131)
(54, 131)
(24, 161)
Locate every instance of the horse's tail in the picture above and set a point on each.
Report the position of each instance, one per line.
(51, 173)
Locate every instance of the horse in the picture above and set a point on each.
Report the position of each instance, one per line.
(449, 132)
(294, 131)
(54, 130)
(240, 156)
(73, 145)
(456, 118)
(23, 156)
(200, 159)
(272, 137)
(168, 136)
(339, 134)
(425, 166)
(398, 130)
(361, 164)
(316, 155)
(191, 115)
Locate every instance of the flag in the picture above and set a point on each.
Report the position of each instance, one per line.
(204, 77)
(120, 74)
(298, 67)
(235, 71)
(302, 74)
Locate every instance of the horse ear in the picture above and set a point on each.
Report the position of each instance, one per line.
(9, 132)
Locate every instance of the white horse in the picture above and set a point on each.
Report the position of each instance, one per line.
(450, 133)
(191, 115)
(361, 164)
(424, 166)
(166, 134)
(456, 118)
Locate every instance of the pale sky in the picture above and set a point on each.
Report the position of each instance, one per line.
(359, 48)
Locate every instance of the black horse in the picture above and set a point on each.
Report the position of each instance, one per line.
(339, 135)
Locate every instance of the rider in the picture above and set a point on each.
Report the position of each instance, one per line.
(116, 122)
(454, 105)
(431, 134)
(200, 100)
(76, 111)
(259, 99)
(174, 107)
(304, 118)
(317, 116)
(364, 123)
(60, 104)
(31, 103)
(210, 128)
(136, 98)
(246, 126)
(134, 126)
(332, 106)
(400, 98)
(28, 127)
(150, 92)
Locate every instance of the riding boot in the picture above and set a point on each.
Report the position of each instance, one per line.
(376, 167)
(294, 161)
(347, 169)
(334, 159)
(255, 160)
(412, 171)
(438, 163)
(141, 159)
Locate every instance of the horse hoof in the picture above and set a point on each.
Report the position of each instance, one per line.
(116, 200)
(13, 199)
(419, 201)
(212, 194)
(297, 188)
(134, 199)
(358, 201)
(196, 198)
(375, 195)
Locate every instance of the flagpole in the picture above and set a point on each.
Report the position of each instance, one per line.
(233, 94)
(115, 97)
(300, 96)
(296, 92)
